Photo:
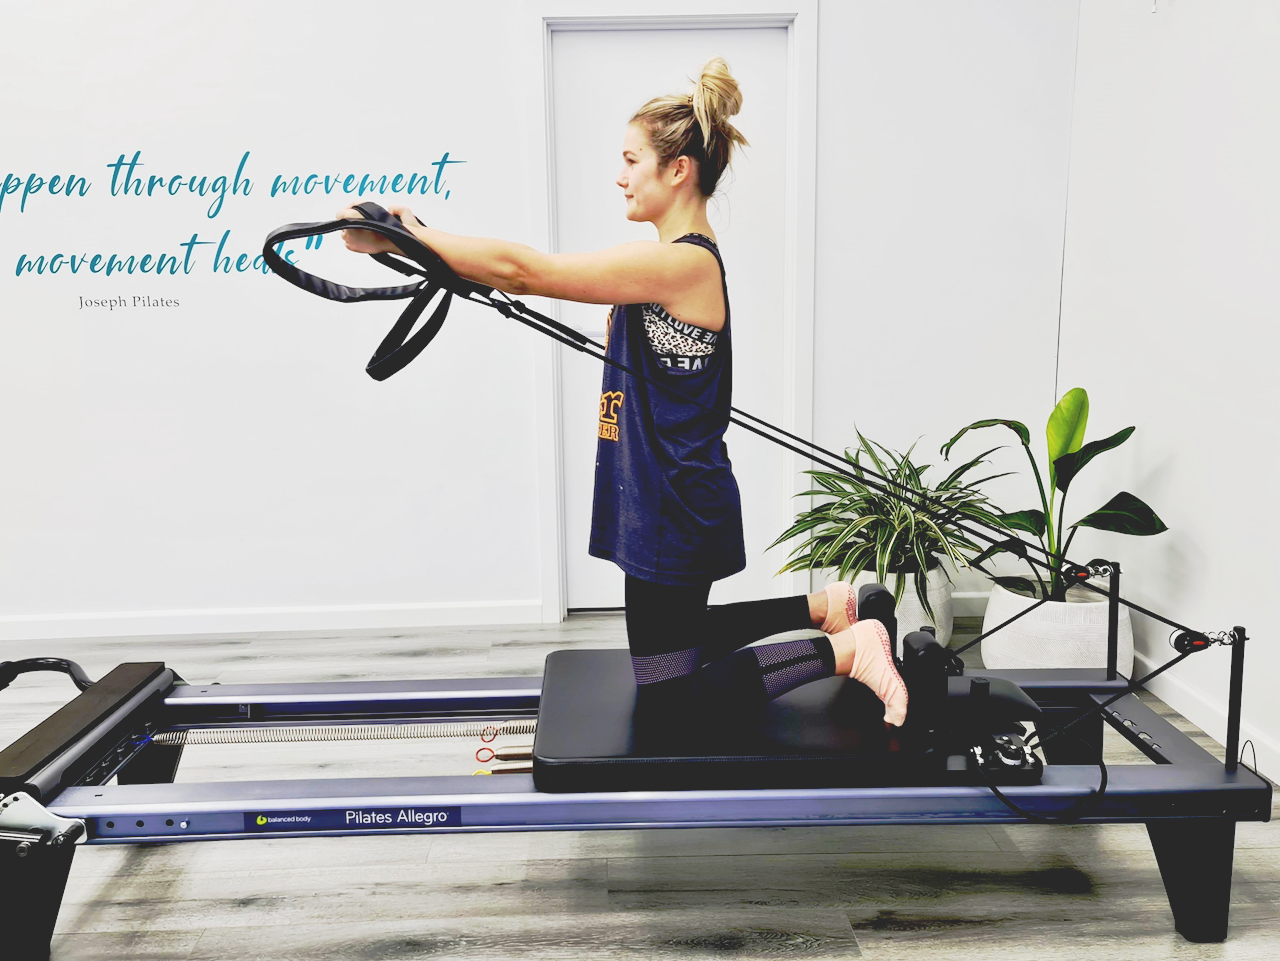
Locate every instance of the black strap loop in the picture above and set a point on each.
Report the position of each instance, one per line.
(397, 348)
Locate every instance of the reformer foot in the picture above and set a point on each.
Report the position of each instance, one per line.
(873, 665)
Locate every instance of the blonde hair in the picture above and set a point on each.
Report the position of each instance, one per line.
(696, 124)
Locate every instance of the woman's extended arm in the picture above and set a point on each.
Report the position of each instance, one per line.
(639, 272)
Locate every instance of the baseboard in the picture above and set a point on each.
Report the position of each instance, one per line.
(351, 617)
(1210, 715)
(969, 603)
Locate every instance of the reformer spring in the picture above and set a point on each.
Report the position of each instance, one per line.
(487, 730)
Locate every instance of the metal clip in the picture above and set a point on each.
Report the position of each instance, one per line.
(1095, 568)
(1186, 641)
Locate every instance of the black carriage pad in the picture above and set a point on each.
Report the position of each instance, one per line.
(830, 733)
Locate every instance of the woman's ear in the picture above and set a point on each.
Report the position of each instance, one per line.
(680, 169)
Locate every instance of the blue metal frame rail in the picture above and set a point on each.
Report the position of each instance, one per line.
(1188, 800)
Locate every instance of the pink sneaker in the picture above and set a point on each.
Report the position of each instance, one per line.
(842, 608)
(873, 666)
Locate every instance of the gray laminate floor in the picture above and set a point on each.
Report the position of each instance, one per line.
(877, 892)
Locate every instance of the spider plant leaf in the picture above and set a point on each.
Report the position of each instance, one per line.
(929, 523)
(796, 564)
(1124, 514)
(1068, 465)
(813, 548)
(921, 557)
(875, 458)
(816, 493)
(911, 474)
(922, 580)
(1031, 521)
(855, 561)
(806, 522)
(882, 558)
(922, 595)
(899, 586)
(1020, 429)
(852, 530)
(886, 554)
(835, 483)
(1065, 430)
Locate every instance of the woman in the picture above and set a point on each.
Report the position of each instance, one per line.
(667, 509)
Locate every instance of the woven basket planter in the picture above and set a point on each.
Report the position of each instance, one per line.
(1071, 633)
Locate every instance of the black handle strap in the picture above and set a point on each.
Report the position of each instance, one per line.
(397, 348)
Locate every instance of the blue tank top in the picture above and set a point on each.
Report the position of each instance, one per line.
(667, 507)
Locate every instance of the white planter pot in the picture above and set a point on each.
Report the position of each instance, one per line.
(911, 616)
(1071, 633)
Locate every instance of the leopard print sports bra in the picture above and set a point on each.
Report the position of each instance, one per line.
(677, 344)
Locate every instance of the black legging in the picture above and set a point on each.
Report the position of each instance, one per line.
(683, 650)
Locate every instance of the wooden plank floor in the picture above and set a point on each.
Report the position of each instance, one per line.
(877, 892)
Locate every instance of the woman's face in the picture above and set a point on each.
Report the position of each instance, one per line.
(642, 184)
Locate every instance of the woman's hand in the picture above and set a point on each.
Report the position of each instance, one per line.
(367, 241)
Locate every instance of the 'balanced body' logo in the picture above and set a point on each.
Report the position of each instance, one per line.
(354, 819)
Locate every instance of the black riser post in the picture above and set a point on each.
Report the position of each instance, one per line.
(1113, 622)
(1195, 857)
(1235, 698)
(33, 877)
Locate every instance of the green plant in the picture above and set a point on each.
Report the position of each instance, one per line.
(1068, 454)
(860, 528)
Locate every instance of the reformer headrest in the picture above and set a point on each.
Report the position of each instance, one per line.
(397, 348)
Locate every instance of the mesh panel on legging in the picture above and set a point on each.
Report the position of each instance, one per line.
(680, 648)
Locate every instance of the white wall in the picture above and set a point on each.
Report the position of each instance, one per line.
(1169, 305)
(944, 132)
(227, 466)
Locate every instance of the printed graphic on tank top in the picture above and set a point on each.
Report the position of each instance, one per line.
(667, 507)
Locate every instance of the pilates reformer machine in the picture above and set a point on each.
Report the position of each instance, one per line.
(101, 770)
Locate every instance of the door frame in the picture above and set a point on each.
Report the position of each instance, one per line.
(540, 19)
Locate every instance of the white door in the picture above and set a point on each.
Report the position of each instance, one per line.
(598, 78)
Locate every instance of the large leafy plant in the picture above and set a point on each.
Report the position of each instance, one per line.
(907, 530)
(1068, 454)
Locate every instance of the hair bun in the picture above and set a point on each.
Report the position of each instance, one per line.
(715, 97)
